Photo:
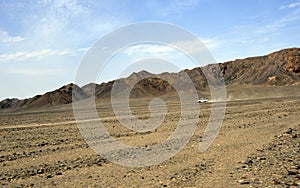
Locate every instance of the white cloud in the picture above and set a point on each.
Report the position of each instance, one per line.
(58, 19)
(36, 71)
(198, 46)
(211, 43)
(160, 49)
(179, 52)
(83, 49)
(64, 24)
(280, 23)
(6, 38)
(261, 32)
(291, 5)
(37, 54)
(149, 49)
(13, 39)
(63, 9)
(177, 6)
(21, 56)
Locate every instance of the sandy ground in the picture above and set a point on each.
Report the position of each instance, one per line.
(44, 148)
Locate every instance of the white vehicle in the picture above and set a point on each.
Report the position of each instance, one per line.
(202, 100)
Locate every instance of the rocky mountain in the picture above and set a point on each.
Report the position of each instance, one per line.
(59, 96)
(8, 103)
(278, 68)
(62, 95)
(150, 86)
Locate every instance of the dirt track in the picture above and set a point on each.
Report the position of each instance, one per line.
(44, 148)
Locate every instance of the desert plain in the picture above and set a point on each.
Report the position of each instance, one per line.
(258, 145)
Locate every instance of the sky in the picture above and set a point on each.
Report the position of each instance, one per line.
(43, 42)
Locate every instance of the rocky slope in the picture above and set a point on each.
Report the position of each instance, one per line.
(278, 68)
(8, 103)
(276, 165)
(60, 96)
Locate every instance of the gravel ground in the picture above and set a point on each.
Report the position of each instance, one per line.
(257, 146)
(276, 164)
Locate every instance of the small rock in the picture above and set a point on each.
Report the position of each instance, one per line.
(292, 172)
(40, 171)
(243, 182)
(276, 182)
(67, 168)
(249, 162)
(48, 176)
(262, 158)
(294, 136)
(290, 131)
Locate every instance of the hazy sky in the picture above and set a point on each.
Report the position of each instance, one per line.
(43, 42)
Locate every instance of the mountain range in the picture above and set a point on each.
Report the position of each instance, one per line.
(278, 68)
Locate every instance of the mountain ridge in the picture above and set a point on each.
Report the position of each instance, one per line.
(277, 68)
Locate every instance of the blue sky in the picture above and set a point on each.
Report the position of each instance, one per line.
(43, 42)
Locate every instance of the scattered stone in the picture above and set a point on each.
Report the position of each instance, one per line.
(48, 176)
(262, 158)
(290, 172)
(243, 181)
(249, 162)
(278, 160)
(40, 171)
(290, 131)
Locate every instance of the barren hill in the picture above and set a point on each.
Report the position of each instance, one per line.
(62, 95)
(8, 103)
(278, 68)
